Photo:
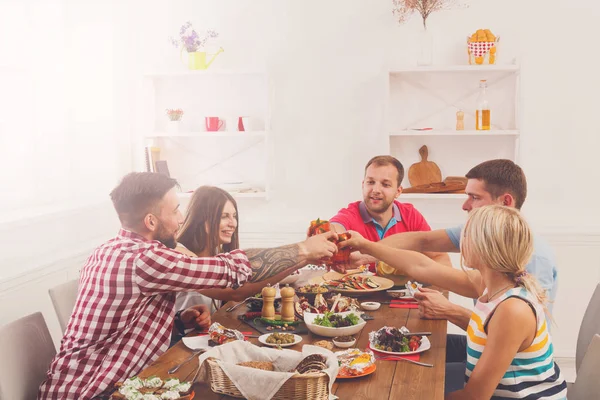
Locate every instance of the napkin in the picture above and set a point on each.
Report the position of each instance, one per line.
(256, 384)
(403, 304)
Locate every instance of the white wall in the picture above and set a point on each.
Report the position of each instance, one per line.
(328, 63)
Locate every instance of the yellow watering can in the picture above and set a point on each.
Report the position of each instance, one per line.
(198, 59)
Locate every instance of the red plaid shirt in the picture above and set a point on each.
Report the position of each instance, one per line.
(124, 313)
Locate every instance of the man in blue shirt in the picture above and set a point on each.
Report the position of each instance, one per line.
(491, 182)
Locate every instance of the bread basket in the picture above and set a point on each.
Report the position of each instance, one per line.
(298, 387)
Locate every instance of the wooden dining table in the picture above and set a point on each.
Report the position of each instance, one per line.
(391, 380)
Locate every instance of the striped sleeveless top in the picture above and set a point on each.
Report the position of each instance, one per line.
(532, 374)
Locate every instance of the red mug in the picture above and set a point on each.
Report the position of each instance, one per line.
(213, 124)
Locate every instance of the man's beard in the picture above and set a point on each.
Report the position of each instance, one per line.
(165, 238)
(378, 209)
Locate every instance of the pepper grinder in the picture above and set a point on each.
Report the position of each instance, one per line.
(287, 304)
(460, 123)
(268, 308)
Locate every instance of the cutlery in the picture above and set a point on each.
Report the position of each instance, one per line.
(176, 368)
(195, 375)
(394, 358)
(230, 309)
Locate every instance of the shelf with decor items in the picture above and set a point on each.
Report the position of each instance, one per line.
(204, 134)
(424, 106)
(211, 127)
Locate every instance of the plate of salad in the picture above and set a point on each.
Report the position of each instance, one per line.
(390, 340)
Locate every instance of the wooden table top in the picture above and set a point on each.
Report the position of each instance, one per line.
(391, 380)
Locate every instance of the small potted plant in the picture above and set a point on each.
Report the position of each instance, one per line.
(193, 42)
(174, 115)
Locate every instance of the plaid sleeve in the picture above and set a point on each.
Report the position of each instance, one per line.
(164, 270)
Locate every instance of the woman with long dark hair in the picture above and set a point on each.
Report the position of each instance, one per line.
(211, 227)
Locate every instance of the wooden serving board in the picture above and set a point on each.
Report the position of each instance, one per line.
(450, 185)
(424, 172)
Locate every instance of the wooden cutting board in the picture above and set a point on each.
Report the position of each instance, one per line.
(424, 172)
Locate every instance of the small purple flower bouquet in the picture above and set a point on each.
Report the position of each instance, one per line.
(190, 40)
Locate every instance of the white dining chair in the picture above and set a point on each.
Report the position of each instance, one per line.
(26, 350)
(63, 299)
(587, 384)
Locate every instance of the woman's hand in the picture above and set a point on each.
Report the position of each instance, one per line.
(356, 241)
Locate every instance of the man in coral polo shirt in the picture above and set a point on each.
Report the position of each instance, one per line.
(379, 214)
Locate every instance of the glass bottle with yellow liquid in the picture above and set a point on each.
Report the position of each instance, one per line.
(482, 114)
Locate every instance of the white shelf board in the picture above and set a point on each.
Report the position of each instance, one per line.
(436, 132)
(204, 134)
(237, 195)
(199, 73)
(457, 68)
(406, 196)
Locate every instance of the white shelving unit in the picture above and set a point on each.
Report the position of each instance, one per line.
(438, 132)
(458, 68)
(421, 110)
(459, 196)
(197, 157)
(204, 134)
(237, 195)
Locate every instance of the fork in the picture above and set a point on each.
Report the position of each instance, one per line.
(394, 358)
(230, 309)
(176, 368)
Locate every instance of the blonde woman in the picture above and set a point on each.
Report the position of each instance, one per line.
(509, 349)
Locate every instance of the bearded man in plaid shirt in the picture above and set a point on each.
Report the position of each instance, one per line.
(124, 313)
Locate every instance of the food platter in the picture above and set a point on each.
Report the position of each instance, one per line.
(342, 374)
(362, 284)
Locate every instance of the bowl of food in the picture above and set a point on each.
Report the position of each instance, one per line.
(370, 305)
(344, 342)
(311, 291)
(334, 324)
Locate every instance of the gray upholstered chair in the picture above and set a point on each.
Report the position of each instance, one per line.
(587, 357)
(587, 384)
(63, 299)
(27, 350)
(590, 325)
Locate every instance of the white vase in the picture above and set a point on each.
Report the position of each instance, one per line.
(425, 47)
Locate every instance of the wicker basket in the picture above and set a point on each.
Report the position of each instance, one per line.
(298, 387)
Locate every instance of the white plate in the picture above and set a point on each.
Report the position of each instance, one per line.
(196, 342)
(425, 345)
(263, 340)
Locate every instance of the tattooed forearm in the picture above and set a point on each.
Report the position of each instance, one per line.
(266, 263)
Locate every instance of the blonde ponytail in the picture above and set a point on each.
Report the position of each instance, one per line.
(499, 238)
(527, 281)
